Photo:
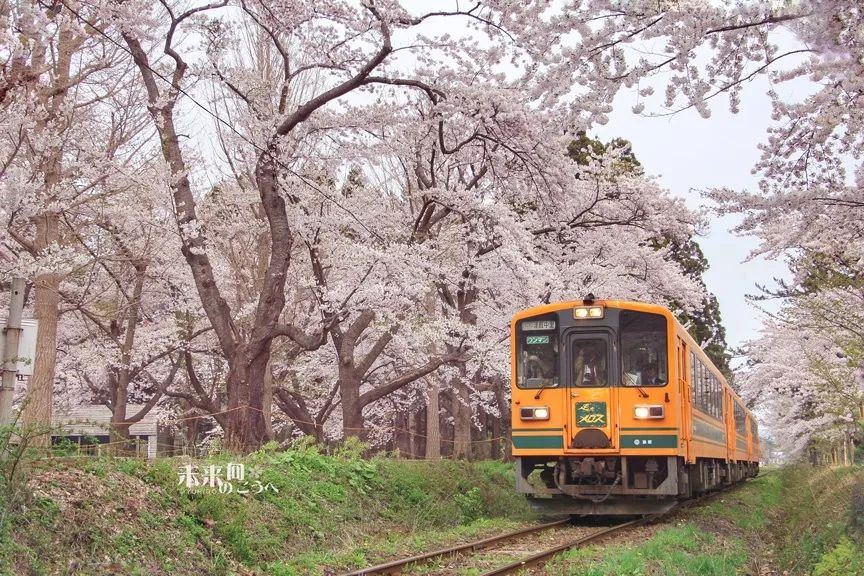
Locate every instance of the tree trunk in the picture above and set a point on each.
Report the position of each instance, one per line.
(433, 423)
(40, 389)
(412, 444)
(461, 411)
(503, 420)
(246, 429)
(267, 401)
(352, 410)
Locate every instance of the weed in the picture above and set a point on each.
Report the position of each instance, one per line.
(333, 512)
(130, 466)
(845, 559)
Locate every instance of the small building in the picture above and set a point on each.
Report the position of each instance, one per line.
(89, 426)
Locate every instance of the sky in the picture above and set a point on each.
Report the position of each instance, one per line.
(688, 153)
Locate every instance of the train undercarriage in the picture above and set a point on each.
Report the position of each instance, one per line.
(611, 485)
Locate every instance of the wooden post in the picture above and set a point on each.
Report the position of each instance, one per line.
(11, 337)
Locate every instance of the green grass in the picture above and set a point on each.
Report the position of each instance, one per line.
(814, 519)
(683, 550)
(795, 521)
(323, 512)
(749, 507)
(333, 513)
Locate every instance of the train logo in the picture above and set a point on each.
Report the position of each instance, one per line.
(591, 414)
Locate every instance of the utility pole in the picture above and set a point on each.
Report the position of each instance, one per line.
(11, 336)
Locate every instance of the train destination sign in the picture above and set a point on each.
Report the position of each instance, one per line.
(538, 325)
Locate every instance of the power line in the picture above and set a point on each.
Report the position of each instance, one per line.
(224, 122)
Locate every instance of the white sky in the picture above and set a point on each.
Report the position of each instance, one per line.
(689, 153)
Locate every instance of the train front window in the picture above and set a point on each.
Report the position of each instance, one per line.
(537, 354)
(590, 364)
(643, 349)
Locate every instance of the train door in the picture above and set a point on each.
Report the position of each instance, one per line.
(686, 404)
(592, 396)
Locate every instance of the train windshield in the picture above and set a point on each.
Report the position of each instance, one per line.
(537, 353)
(589, 363)
(643, 349)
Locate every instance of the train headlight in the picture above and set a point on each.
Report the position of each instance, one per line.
(534, 413)
(649, 412)
(582, 312)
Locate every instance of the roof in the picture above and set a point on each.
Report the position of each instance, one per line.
(563, 305)
(95, 419)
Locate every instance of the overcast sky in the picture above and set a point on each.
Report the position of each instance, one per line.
(689, 153)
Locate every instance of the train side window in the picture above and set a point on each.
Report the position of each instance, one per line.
(711, 391)
(694, 383)
(714, 402)
(644, 351)
(709, 386)
(718, 398)
(740, 424)
(702, 395)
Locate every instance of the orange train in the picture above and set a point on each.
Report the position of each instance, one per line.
(616, 410)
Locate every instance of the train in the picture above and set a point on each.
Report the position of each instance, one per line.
(616, 410)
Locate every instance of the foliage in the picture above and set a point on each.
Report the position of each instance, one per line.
(702, 321)
(845, 558)
(372, 160)
(805, 374)
(334, 512)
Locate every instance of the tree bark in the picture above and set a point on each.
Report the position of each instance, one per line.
(433, 422)
(461, 411)
(40, 390)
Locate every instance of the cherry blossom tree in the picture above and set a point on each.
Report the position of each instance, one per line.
(61, 90)
(370, 160)
(806, 373)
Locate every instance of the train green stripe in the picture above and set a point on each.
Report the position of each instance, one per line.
(648, 428)
(649, 441)
(544, 442)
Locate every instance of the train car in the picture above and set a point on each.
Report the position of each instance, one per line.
(616, 410)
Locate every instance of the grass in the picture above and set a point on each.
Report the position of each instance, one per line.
(320, 513)
(325, 514)
(682, 550)
(814, 529)
(748, 508)
(793, 521)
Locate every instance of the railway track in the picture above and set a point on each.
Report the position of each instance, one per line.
(396, 566)
(545, 555)
(561, 528)
(569, 537)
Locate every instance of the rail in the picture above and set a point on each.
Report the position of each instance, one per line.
(546, 554)
(396, 565)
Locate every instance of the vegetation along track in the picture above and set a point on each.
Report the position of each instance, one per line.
(560, 534)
